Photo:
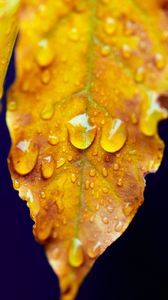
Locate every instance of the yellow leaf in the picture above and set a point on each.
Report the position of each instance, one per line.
(83, 115)
(8, 32)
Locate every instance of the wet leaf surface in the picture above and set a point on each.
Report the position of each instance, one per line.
(83, 112)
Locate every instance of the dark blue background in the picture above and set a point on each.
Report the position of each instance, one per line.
(134, 268)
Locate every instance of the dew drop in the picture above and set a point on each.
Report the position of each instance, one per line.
(120, 182)
(116, 167)
(60, 162)
(76, 256)
(47, 112)
(128, 208)
(53, 139)
(47, 166)
(45, 54)
(139, 75)
(118, 226)
(74, 34)
(11, 105)
(45, 76)
(159, 61)
(95, 250)
(126, 51)
(110, 26)
(105, 220)
(105, 172)
(24, 157)
(16, 184)
(42, 195)
(110, 209)
(113, 136)
(105, 50)
(73, 177)
(152, 113)
(92, 172)
(81, 133)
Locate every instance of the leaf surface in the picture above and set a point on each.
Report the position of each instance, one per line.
(83, 112)
(8, 32)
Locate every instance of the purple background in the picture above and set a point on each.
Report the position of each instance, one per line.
(135, 267)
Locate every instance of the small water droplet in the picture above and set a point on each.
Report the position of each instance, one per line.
(114, 135)
(24, 157)
(116, 167)
(110, 209)
(74, 34)
(110, 26)
(105, 220)
(45, 53)
(42, 195)
(81, 133)
(47, 166)
(53, 139)
(159, 61)
(92, 172)
(105, 50)
(47, 112)
(126, 51)
(73, 177)
(45, 76)
(76, 256)
(87, 184)
(118, 226)
(92, 185)
(11, 105)
(95, 250)
(16, 184)
(60, 162)
(105, 172)
(128, 208)
(139, 75)
(120, 182)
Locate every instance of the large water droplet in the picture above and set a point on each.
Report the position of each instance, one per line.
(76, 256)
(113, 136)
(47, 166)
(81, 132)
(24, 157)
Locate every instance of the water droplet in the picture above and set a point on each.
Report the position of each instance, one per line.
(92, 185)
(60, 162)
(53, 139)
(116, 167)
(105, 172)
(74, 34)
(159, 61)
(95, 250)
(32, 203)
(45, 53)
(73, 177)
(87, 184)
(47, 112)
(105, 50)
(24, 157)
(152, 113)
(110, 26)
(81, 133)
(120, 182)
(42, 195)
(47, 166)
(11, 105)
(126, 51)
(114, 135)
(118, 226)
(105, 220)
(16, 184)
(139, 75)
(110, 209)
(128, 208)
(45, 76)
(92, 172)
(76, 256)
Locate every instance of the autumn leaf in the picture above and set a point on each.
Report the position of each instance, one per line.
(8, 32)
(91, 87)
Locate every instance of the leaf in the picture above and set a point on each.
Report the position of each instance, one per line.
(8, 32)
(83, 112)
